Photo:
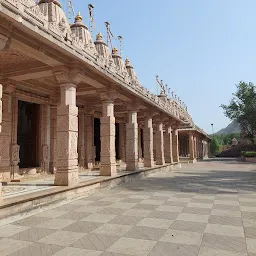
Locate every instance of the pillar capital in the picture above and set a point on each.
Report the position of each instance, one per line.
(65, 75)
(108, 94)
(133, 107)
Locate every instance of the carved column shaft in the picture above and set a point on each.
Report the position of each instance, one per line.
(191, 147)
(107, 137)
(168, 144)
(195, 147)
(45, 137)
(81, 138)
(148, 142)
(132, 141)
(122, 141)
(139, 144)
(160, 144)
(175, 144)
(53, 144)
(89, 141)
(67, 133)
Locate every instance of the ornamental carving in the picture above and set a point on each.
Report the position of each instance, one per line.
(45, 153)
(36, 13)
(4, 147)
(13, 2)
(15, 154)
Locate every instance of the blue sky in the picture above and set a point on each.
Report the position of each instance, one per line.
(200, 48)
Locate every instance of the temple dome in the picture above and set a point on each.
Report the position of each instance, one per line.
(79, 22)
(101, 46)
(50, 1)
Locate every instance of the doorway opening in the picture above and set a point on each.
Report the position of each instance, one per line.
(28, 134)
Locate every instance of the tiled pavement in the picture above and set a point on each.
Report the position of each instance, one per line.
(205, 209)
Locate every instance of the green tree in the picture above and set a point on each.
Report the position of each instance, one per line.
(242, 108)
(214, 146)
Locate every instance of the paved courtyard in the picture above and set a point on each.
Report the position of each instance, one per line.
(204, 209)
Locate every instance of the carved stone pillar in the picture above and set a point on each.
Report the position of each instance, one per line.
(175, 144)
(160, 144)
(89, 141)
(53, 144)
(168, 144)
(6, 132)
(1, 113)
(148, 142)
(107, 135)
(139, 144)
(81, 138)
(45, 137)
(132, 140)
(122, 141)
(67, 128)
(191, 148)
(195, 147)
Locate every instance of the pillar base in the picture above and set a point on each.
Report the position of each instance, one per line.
(108, 170)
(192, 161)
(149, 164)
(132, 166)
(66, 177)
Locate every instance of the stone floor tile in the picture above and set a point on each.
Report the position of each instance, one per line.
(202, 211)
(182, 237)
(10, 230)
(248, 209)
(125, 220)
(74, 215)
(62, 238)
(8, 245)
(250, 232)
(203, 197)
(176, 203)
(152, 201)
(249, 215)
(83, 227)
(51, 214)
(227, 213)
(188, 226)
(88, 208)
(113, 254)
(142, 197)
(205, 251)
(109, 210)
(251, 245)
(100, 203)
(226, 207)
(193, 217)
(170, 249)
(82, 202)
(145, 207)
(226, 243)
(163, 215)
(33, 234)
(249, 222)
(224, 220)
(97, 242)
(228, 202)
(161, 198)
(169, 208)
(178, 199)
(97, 217)
(201, 201)
(130, 200)
(37, 249)
(69, 251)
(145, 233)
(30, 221)
(122, 205)
(200, 205)
(112, 229)
(55, 223)
(155, 223)
(225, 230)
(111, 199)
(130, 246)
(137, 213)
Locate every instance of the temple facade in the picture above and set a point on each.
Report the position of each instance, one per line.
(69, 104)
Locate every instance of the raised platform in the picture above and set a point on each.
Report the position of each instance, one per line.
(45, 195)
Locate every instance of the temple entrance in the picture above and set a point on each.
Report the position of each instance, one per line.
(28, 134)
(97, 139)
(117, 142)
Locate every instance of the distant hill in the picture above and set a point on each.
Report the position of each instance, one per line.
(231, 128)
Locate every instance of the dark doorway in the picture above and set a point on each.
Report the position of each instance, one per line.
(28, 134)
(97, 138)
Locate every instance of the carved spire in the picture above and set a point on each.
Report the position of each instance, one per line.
(101, 46)
(79, 22)
(118, 61)
(131, 71)
(50, 1)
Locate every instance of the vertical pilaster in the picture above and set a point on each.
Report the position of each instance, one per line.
(160, 144)
(53, 143)
(168, 144)
(67, 133)
(175, 144)
(191, 148)
(107, 135)
(81, 138)
(45, 126)
(195, 147)
(139, 144)
(132, 141)
(122, 141)
(89, 141)
(148, 142)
